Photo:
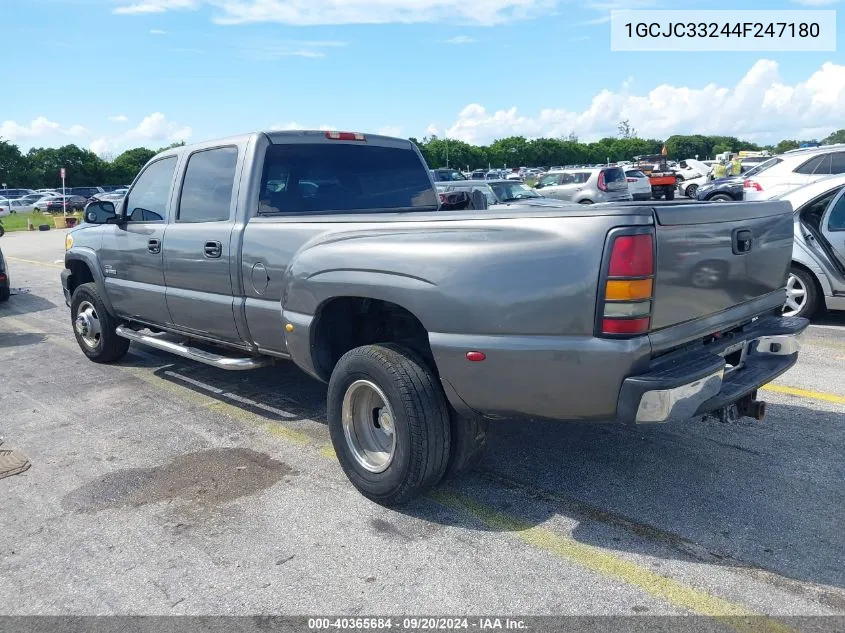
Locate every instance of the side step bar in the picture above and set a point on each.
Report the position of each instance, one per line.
(209, 358)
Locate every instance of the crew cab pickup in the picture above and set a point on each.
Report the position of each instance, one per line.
(331, 250)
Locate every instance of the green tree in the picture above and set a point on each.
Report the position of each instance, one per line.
(836, 137)
(785, 146)
(124, 168)
(13, 166)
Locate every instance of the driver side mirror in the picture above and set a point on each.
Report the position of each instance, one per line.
(538, 185)
(101, 212)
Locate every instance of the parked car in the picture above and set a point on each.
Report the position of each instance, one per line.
(13, 206)
(41, 205)
(817, 274)
(58, 204)
(5, 284)
(794, 169)
(14, 194)
(85, 192)
(427, 323)
(689, 187)
(445, 174)
(503, 192)
(692, 168)
(638, 184)
(586, 186)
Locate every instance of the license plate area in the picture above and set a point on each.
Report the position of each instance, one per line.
(734, 356)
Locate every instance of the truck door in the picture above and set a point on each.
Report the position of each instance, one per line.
(198, 247)
(130, 253)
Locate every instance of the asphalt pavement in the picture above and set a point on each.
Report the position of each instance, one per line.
(163, 486)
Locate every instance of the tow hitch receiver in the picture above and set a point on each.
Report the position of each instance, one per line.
(747, 407)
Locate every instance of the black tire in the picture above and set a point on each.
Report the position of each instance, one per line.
(720, 197)
(469, 442)
(670, 194)
(109, 347)
(691, 191)
(2, 231)
(811, 303)
(421, 424)
(5, 293)
(586, 202)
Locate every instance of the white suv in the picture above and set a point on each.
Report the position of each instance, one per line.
(794, 169)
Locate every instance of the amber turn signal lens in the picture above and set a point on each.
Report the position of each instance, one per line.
(628, 290)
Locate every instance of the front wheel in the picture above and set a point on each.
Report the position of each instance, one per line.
(691, 191)
(389, 423)
(94, 327)
(721, 197)
(585, 202)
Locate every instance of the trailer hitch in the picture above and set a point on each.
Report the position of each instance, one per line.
(746, 407)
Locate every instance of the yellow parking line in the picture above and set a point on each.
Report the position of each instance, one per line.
(804, 393)
(33, 261)
(610, 565)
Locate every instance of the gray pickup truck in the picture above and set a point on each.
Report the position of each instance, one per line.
(332, 250)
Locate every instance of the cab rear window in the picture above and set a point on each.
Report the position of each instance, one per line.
(325, 178)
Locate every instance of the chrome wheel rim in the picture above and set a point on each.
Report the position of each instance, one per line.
(796, 296)
(87, 325)
(369, 426)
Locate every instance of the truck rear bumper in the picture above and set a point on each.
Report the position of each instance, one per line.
(681, 386)
(574, 379)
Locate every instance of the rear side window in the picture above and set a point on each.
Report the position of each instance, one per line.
(635, 174)
(209, 181)
(614, 175)
(581, 177)
(147, 202)
(837, 163)
(812, 165)
(836, 220)
(319, 178)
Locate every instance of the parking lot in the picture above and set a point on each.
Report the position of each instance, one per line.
(162, 486)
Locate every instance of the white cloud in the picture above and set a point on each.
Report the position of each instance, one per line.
(270, 50)
(118, 118)
(152, 131)
(314, 12)
(460, 39)
(759, 107)
(156, 6)
(293, 125)
(391, 130)
(158, 32)
(39, 128)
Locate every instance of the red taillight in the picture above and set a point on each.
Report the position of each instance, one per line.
(628, 293)
(345, 136)
(625, 326)
(752, 184)
(602, 185)
(2, 277)
(632, 256)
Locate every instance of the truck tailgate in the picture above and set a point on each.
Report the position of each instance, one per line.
(713, 256)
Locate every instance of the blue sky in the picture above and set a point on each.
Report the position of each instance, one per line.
(111, 74)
